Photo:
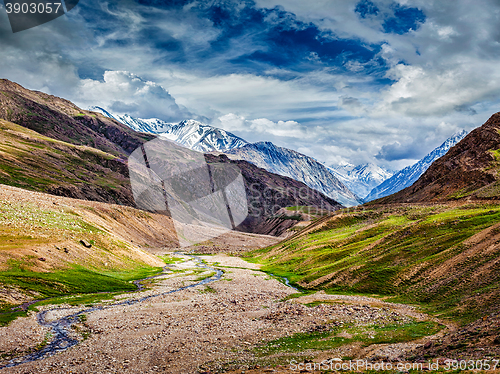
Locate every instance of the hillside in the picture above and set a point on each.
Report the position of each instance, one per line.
(268, 192)
(469, 170)
(38, 163)
(52, 246)
(62, 120)
(442, 256)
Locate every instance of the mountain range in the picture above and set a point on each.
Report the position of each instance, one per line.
(346, 183)
(297, 166)
(204, 138)
(190, 133)
(361, 179)
(407, 176)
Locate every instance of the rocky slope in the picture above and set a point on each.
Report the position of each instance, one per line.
(190, 133)
(295, 165)
(407, 176)
(361, 179)
(62, 120)
(468, 170)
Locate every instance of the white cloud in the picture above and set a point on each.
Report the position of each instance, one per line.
(126, 93)
(266, 127)
(453, 81)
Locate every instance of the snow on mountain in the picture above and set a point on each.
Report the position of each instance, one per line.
(204, 138)
(190, 133)
(409, 175)
(297, 166)
(361, 179)
(201, 137)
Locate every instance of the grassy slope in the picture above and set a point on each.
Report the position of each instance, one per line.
(442, 256)
(60, 119)
(41, 255)
(35, 162)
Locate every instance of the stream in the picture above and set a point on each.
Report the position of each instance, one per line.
(61, 339)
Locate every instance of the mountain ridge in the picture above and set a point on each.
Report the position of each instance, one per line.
(191, 133)
(282, 161)
(409, 175)
(468, 171)
(290, 163)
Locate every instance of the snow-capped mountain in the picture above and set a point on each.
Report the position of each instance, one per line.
(201, 137)
(190, 133)
(361, 179)
(151, 126)
(297, 166)
(407, 176)
(204, 138)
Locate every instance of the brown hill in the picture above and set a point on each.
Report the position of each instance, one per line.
(468, 170)
(62, 120)
(39, 163)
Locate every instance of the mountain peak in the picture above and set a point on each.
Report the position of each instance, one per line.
(360, 179)
(407, 176)
(190, 133)
(468, 170)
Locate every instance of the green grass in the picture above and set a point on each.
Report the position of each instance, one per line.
(208, 289)
(73, 286)
(366, 335)
(391, 251)
(28, 213)
(170, 259)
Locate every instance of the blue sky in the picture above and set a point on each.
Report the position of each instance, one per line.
(342, 81)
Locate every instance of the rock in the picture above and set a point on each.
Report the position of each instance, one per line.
(428, 345)
(41, 259)
(85, 243)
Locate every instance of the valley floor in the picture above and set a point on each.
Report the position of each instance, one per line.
(246, 321)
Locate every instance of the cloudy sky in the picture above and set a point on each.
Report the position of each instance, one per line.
(382, 81)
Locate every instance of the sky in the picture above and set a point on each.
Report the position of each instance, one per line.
(382, 81)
